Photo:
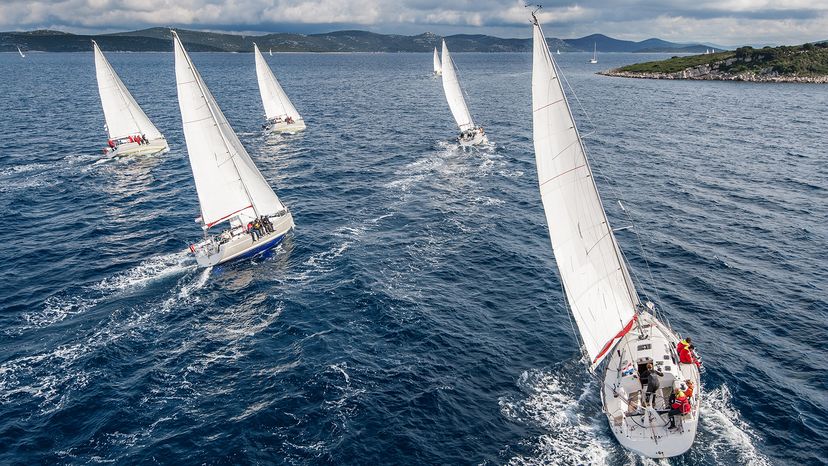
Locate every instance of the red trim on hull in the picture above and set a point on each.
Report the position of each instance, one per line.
(620, 334)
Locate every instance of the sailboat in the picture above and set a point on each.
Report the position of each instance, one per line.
(558, 51)
(470, 134)
(130, 130)
(20, 52)
(619, 334)
(438, 69)
(281, 115)
(231, 191)
(594, 58)
(270, 51)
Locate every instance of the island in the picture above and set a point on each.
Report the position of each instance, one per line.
(806, 63)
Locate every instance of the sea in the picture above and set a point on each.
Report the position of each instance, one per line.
(415, 314)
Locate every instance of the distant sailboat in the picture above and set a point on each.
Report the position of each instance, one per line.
(20, 52)
(438, 68)
(558, 51)
(619, 333)
(130, 130)
(270, 51)
(594, 59)
(230, 188)
(470, 134)
(281, 115)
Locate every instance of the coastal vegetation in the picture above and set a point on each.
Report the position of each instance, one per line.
(808, 63)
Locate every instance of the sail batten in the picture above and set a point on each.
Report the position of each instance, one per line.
(124, 117)
(596, 282)
(275, 100)
(454, 94)
(227, 181)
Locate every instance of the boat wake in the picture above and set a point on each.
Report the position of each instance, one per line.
(724, 435)
(567, 410)
(57, 308)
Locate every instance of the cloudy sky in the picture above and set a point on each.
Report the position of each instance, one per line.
(726, 22)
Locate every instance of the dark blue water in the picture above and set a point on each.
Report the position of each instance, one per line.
(415, 315)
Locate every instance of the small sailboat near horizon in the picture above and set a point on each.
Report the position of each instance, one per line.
(231, 191)
(619, 334)
(130, 130)
(20, 52)
(282, 116)
(438, 68)
(470, 134)
(594, 58)
(270, 51)
(558, 51)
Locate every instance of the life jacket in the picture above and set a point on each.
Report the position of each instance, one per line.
(681, 403)
(249, 226)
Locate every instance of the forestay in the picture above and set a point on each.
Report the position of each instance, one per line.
(595, 278)
(454, 94)
(437, 67)
(276, 102)
(227, 181)
(123, 115)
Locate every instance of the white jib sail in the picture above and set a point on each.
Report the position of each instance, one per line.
(276, 102)
(595, 278)
(437, 68)
(122, 114)
(454, 94)
(227, 181)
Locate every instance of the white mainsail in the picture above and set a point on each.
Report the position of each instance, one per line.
(227, 181)
(276, 102)
(598, 288)
(454, 94)
(437, 67)
(122, 114)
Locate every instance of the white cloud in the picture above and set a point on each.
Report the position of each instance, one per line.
(729, 22)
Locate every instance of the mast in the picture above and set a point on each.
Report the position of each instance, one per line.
(595, 278)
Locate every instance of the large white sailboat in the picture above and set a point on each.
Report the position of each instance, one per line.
(130, 130)
(470, 134)
(281, 115)
(438, 68)
(619, 334)
(231, 190)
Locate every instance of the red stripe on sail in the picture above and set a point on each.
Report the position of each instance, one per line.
(620, 334)
(228, 215)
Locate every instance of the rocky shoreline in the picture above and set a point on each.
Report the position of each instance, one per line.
(712, 73)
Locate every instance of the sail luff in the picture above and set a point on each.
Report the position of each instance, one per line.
(454, 94)
(274, 98)
(123, 115)
(227, 181)
(595, 278)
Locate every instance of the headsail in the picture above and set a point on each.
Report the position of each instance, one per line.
(437, 67)
(598, 288)
(454, 94)
(276, 102)
(227, 181)
(122, 114)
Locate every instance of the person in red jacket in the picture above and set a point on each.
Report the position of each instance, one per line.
(679, 406)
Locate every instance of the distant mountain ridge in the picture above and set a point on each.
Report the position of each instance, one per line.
(159, 40)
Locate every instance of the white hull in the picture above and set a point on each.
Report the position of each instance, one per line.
(155, 146)
(214, 251)
(646, 430)
(284, 127)
(478, 139)
(593, 61)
